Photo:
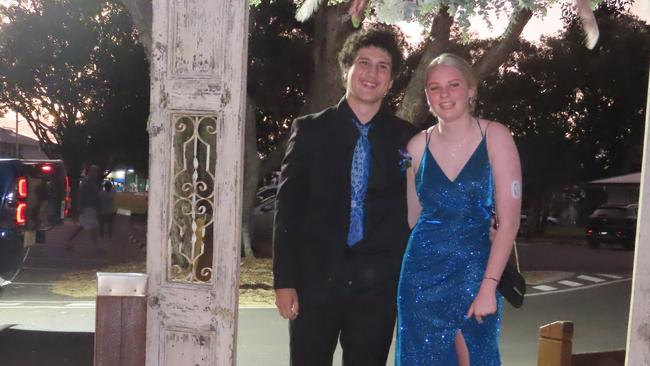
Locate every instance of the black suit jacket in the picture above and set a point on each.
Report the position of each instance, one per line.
(313, 204)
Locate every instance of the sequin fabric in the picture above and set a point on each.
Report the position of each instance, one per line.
(444, 264)
(359, 183)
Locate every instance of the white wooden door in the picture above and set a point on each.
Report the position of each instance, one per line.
(196, 134)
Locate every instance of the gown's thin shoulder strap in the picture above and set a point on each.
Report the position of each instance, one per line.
(483, 133)
(427, 134)
(485, 136)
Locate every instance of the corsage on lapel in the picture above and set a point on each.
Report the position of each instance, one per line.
(405, 160)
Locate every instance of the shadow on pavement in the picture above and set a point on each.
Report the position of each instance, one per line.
(28, 348)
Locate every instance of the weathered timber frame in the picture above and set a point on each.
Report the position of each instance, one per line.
(198, 90)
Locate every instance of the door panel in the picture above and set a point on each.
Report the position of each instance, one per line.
(196, 152)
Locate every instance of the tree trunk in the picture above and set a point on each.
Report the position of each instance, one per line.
(141, 14)
(414, 105)
(508, 40)
(332, 28)
(251, 178)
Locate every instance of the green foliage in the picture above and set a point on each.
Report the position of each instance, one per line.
(75, 71)
(577, 114)
(279, 68)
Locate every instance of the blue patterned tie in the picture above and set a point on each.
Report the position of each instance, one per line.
(359, 183)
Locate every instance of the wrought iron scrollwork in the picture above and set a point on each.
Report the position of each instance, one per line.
(194, 162)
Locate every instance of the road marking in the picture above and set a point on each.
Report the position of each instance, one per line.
(610, 276)
(570, 283)
(46, 269)
(90, 304)
(31, 283)
(579, 288)
(591, 278)
(544, 288)
(47, 305)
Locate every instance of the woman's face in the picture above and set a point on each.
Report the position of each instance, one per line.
(448, 92)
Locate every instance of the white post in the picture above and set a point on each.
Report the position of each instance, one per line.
(638, 330)
(196, 129)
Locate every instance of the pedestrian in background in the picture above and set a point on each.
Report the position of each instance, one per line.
(88, 205)
(106, 209)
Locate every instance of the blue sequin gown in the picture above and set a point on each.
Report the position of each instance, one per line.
(444, 264)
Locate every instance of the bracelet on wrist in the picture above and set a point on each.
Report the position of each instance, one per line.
(491, 278)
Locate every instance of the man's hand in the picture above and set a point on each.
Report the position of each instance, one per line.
(286, 299)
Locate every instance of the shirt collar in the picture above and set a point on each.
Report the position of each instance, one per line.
(378, 118)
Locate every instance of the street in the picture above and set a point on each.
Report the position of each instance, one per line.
(589, 287)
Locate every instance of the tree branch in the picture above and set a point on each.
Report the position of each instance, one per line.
(414, 106)
(142, 15)
(499, 54)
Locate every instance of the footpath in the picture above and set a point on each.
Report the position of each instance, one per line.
(66, 339)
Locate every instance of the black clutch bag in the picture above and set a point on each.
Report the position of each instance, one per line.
(512, 284)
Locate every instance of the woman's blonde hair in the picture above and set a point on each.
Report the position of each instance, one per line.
(458, 63)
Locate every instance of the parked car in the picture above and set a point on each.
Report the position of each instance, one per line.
(34, 197)
(612, 224)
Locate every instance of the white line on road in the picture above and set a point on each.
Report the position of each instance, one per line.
(47, 269)
(544, 288)
(570, 283)
(32, 283)
(578, 288)
(591, 278)
(47, 305)
(616, 277)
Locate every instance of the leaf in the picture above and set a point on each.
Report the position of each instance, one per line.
(307, 10)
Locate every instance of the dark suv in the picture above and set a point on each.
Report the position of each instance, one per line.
(613, 224)
(34, 197)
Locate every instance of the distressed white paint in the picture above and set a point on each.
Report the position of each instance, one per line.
(638, 330)
(198, 68)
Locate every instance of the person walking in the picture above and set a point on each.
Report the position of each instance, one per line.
(106, 210)
(89, 206)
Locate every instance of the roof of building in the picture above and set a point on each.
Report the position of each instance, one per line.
(9, 136)
(632, 178)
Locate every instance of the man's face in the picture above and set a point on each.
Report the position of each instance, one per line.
(370, 76)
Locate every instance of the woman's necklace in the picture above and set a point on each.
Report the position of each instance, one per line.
(453, 149)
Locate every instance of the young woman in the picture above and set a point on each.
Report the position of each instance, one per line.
(464, 169)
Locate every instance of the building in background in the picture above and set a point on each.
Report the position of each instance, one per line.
(28, 148)
(621, 189)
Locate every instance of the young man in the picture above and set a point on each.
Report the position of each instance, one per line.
(341, 225)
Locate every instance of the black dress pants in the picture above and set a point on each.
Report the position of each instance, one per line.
(363, 321)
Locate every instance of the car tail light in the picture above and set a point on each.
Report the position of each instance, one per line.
(21, 217)
(22, 187)
(21, 206)
(590, 232)
(46, 168)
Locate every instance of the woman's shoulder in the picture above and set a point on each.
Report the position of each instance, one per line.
(417, 142)
(494, 129)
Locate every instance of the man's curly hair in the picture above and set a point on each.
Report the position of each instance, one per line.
(382, 38)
